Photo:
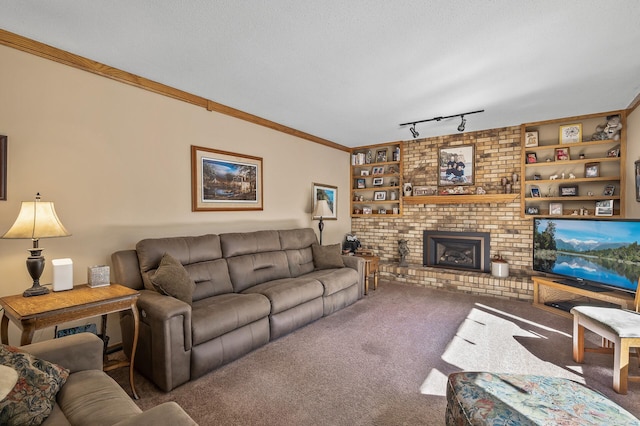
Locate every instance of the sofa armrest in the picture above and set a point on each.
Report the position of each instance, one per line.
(169, 413)
(357, 263)
(77, 352)
(164, 345)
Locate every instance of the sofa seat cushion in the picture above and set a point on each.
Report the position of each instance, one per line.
(287, 293)
(215, 316)
(89, 397)
(335, 280)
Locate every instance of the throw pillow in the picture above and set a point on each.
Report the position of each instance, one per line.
(32, 398)
(327, 257)
(171, 279)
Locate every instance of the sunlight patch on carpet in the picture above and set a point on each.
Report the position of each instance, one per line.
(496, 341)
(435, 383)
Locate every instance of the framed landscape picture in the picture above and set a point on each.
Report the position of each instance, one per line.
(3, 168)
(456, 165)
(320, 191)
(222, 180)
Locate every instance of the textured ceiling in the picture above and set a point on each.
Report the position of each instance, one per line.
(351, 71)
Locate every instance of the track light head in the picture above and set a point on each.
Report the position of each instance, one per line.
(462, 123)
(413, 131)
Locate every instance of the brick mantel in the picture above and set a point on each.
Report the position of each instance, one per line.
(497, 155)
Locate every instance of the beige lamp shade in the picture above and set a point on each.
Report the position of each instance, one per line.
(322, 209)
(37, 219)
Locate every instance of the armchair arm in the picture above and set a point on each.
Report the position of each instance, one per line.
(169, 413)
(76, 352)
(164, 344)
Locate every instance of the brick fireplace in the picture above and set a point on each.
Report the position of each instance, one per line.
(497, 155)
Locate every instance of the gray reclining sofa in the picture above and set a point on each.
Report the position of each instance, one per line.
(250, 288)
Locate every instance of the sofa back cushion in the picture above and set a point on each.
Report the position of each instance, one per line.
(297, 245)
(252, 269)
(201, 256)
(239, 243)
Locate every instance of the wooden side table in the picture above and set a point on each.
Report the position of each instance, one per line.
(34, 313)
(370, 267)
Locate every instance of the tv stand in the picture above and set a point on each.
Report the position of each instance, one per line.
(546, 291)
(583, 285)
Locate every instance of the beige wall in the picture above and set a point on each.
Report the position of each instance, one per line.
(116, 161)
(633, 154)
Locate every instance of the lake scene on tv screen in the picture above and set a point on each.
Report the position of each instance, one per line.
(599, 251)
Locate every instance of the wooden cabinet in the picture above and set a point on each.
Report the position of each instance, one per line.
(376, 180)
(568, 168)
(546, 291)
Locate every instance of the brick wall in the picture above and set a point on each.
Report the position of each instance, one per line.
(497, 155)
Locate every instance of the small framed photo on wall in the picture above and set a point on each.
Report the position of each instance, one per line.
(456, 165)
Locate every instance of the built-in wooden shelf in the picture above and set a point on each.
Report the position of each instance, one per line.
(461, 199)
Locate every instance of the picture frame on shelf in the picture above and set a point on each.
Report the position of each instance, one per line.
(531, 158)
(555, 209)
(614, 152)
(535, 192)
(568, 190)
(604, 208)
(382, 211)
(364, 172)
(378, 181)
(591, 170)
(242, 191)
(531, 139)
(361, 183)
(366, 210)
(379, 195)
(381, 156)
(609, 190)
(377, 170)
(533, 210)
(570, 133)
(562, 154)
(457, 164)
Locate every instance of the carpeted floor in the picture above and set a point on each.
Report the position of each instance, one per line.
(385, 361)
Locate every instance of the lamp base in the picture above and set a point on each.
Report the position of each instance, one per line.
(36, 290)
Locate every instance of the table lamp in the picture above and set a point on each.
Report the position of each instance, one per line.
(322, 209)
(37, 219)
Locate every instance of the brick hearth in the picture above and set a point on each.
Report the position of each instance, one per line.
(497, 155)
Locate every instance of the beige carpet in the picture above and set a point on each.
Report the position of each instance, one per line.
(384, 361)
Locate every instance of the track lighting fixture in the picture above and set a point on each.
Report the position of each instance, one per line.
(462, 123)
(461, 127)
(413, 131)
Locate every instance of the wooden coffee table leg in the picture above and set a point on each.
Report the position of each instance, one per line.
(4, 329)
(136, 328)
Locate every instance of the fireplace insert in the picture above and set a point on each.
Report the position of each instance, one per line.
(457, 250)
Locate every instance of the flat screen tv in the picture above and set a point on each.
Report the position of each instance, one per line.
(600, 253)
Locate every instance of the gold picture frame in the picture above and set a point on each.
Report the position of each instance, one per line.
(570, 133)
(225, 181)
